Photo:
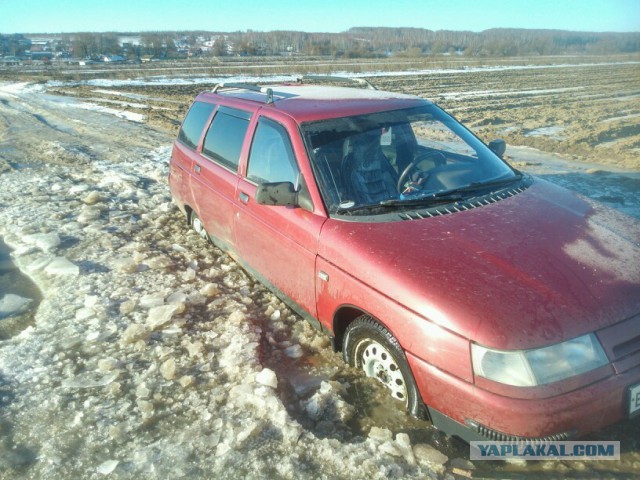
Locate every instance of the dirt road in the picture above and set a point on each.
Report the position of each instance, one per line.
(152, 355)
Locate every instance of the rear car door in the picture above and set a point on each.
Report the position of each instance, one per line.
(215, 173)
(185, 151)
(278, 242)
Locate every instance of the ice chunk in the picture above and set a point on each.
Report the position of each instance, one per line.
(294, 351)
(39, 263)
(150, 301)
(88, 382)
(91, 301)
(107, 467)
(304, 383)
(186, 381)
(44, 241)
(250, 431)
(177, 297)
(78, 189)
(145, 407)
(134, 332)
(84, 313)
(403, 442)
(127, 306)
(92, 198)
(125, 265)
(159, 316)
(195, 349)
(12, 304)
(62, 266)
(89, 214)
(159, 263)
(383, 434)
(390, 448)
(327, 405)
(267, 377)
(426, 454)
(189, 274)
(237, 317)
(168, 369)
(209, 290)
(107, 364)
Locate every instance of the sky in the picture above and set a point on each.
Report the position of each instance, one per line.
(58, 16)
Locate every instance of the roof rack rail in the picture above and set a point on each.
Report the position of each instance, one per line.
(254, 87)
(335, 78)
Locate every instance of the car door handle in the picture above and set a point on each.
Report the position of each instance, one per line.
(244, 198)
(197, 168)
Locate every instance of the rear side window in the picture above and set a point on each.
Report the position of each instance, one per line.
(224, 139)
(194, 123)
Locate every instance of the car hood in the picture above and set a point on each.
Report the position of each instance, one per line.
(534, 269)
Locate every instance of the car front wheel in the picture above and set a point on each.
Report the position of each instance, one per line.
(370, 347)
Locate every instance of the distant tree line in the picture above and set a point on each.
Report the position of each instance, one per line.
(360, 42)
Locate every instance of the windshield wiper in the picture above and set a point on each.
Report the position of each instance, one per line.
(440, 197)
(479, 185)
(364, 206)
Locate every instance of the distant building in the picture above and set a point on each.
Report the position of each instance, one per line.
(7, 61)
(42, 56)
(113, 58)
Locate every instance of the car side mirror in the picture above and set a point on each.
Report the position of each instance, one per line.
(277, 193)
(498, 146)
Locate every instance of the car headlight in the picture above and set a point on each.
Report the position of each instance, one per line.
(528, 368)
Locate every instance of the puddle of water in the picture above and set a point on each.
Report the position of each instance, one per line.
(14, 283)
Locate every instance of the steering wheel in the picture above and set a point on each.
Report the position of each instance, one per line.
(438, 159)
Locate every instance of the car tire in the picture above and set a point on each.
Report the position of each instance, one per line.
(198, 226)
(370, 347)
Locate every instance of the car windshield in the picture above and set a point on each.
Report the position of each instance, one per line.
(397, 159)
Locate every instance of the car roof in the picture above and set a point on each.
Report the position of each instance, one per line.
(307, 103)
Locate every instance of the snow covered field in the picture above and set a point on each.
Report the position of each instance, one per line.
(153, 355)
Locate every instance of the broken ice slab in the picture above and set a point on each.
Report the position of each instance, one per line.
(62, 266)
(89, 382)
(12, 304)
(44, 241)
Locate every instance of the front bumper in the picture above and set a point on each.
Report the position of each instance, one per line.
(462, 409)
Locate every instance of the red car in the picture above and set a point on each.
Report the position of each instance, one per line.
(500, 305)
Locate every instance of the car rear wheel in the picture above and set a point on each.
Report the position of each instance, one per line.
(198, 226)
(372, 348)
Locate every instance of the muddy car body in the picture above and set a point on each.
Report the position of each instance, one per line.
(500, 305)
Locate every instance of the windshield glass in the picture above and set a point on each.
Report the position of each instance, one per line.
(397, 158)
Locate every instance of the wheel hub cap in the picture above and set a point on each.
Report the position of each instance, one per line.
(379, 364)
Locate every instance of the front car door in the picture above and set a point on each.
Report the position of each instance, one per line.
(279, 243)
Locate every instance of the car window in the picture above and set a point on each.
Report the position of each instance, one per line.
(271, 158)
(194, 123)
(224, 139)
(397, 156)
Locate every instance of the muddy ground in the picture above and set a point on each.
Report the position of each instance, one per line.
(586, 112)
(153, 355)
